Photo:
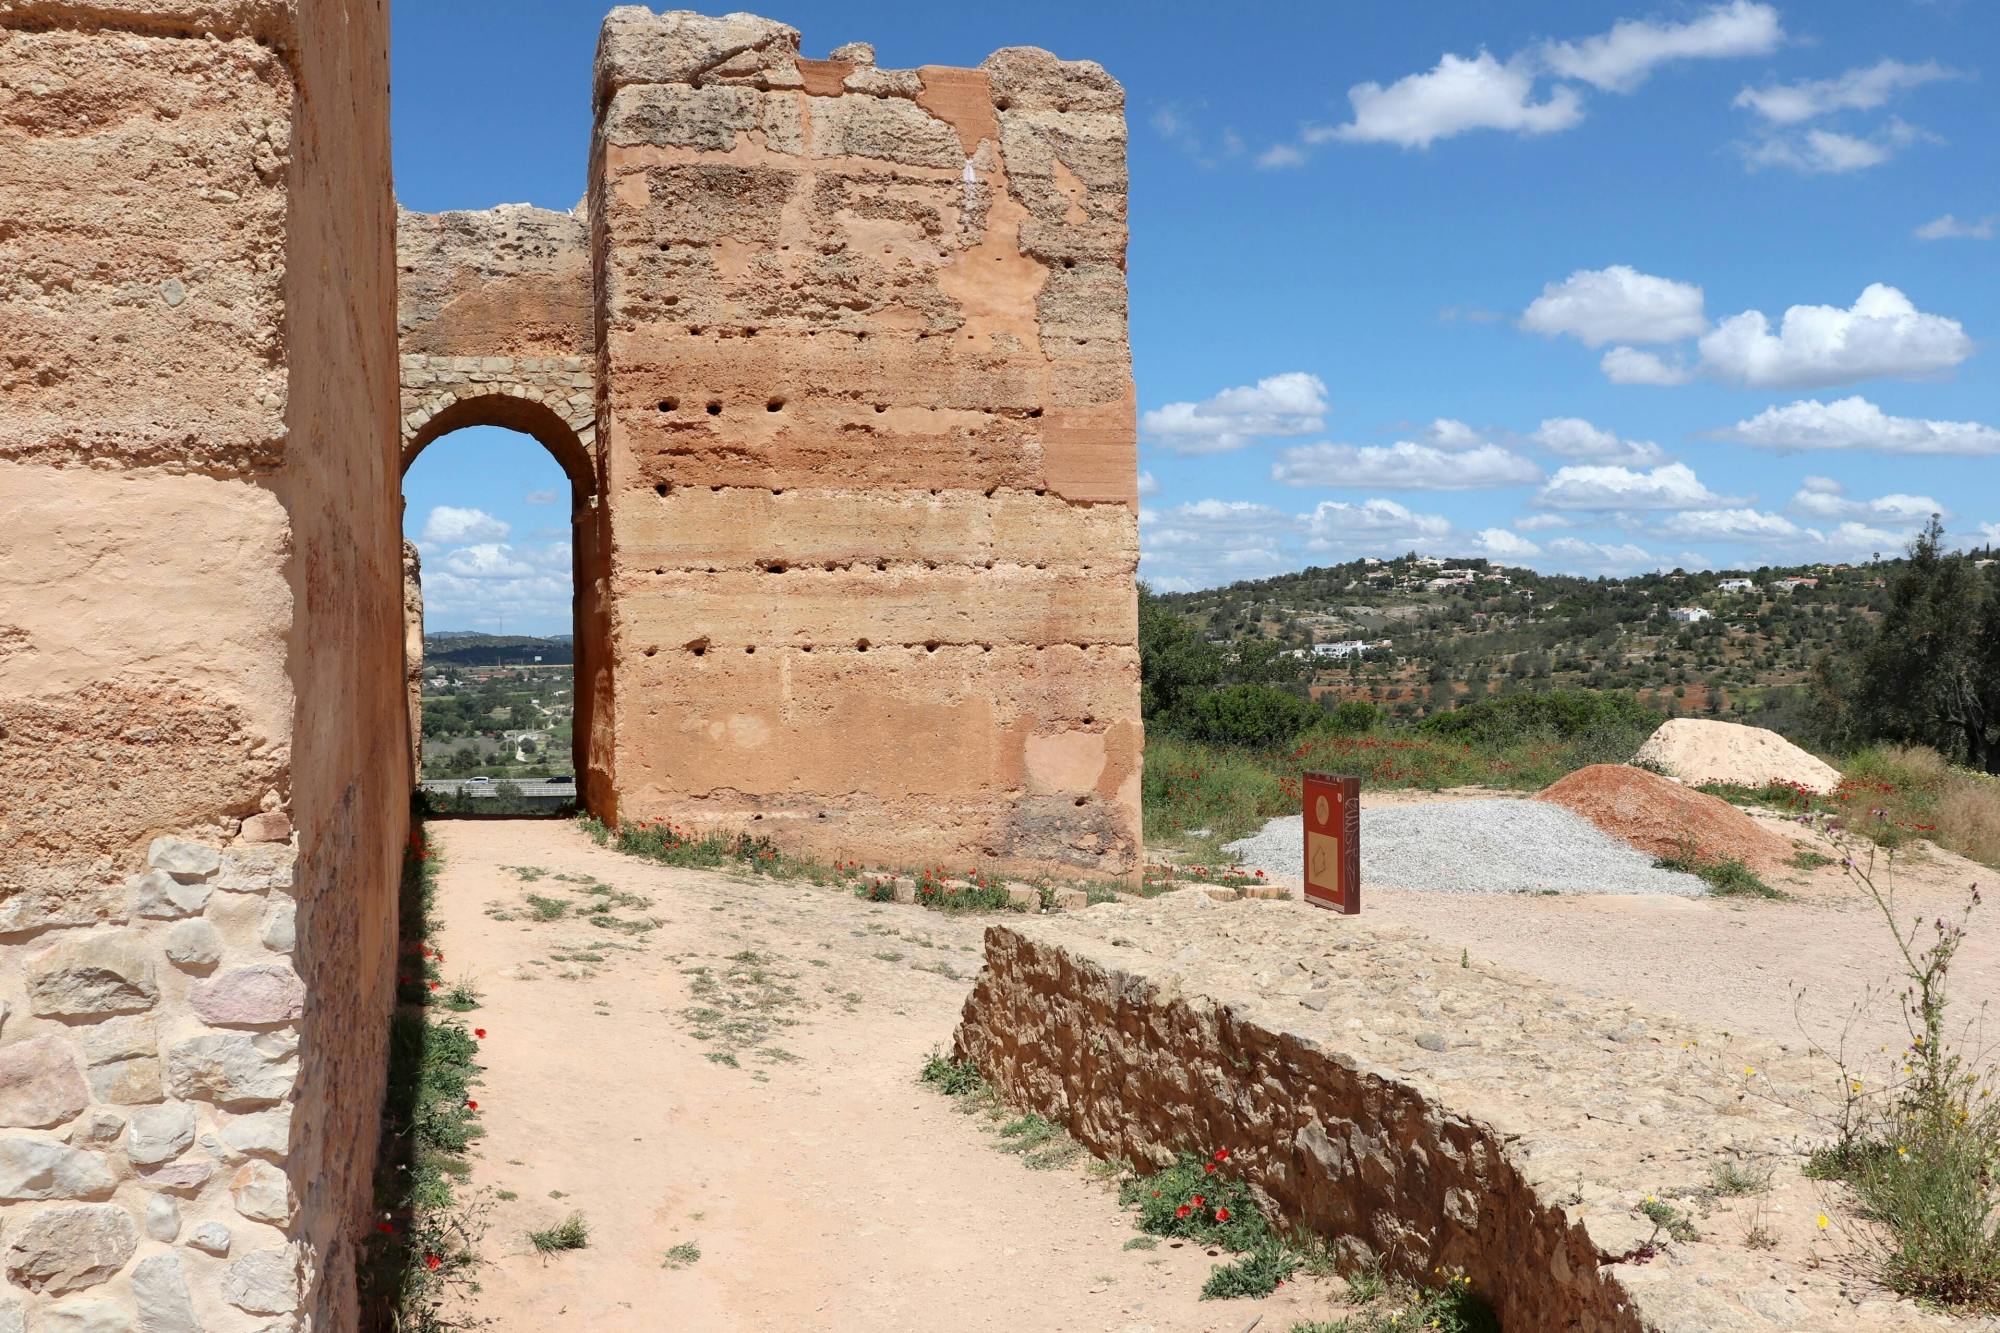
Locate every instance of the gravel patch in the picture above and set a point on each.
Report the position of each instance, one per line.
(1486, 846)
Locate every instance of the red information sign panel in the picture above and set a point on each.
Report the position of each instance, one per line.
(1333, 841)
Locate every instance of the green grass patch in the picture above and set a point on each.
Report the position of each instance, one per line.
(1726, 878)
(572, 1233)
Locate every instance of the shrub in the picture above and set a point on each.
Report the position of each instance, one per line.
(1563, 715)
(1922, 1148)
(1257, 716)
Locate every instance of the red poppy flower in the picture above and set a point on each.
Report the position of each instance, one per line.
(1156, 1194)
(1208, 1167)
(1222, 1214)
(471, 1105)
(434, 985)
(402, 981)
(1222, 1154)
(385, 1228)
(479, 1033)
(1198, 1201)
(431, 1261)
(1182, 1211)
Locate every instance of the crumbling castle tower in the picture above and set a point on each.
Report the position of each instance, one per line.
(835, 359)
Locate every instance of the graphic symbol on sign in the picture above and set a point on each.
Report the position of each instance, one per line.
(1323, 810)
(1321, 869)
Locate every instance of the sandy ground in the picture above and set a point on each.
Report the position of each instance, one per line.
(1735, 964)
(825, 1187)
(742, 1077)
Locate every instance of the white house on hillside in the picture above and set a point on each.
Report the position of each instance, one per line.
(1689, 615)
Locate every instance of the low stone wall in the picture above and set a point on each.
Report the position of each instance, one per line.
(1416, 1106)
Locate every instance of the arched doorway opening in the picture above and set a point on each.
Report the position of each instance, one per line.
(508, 679)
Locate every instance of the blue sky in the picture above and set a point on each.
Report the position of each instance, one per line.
(1589, 287)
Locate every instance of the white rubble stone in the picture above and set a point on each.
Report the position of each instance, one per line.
(265, 1134)
(13, 1319)
(70, 1248)
(209, 1237)
(279, 930)
(99, 1127)
(86, 1314)
(40, 1169)
(120, 1039)
(108, 972)
(40, 1084)
(159, 895)
(256, 867)
(261, 1192)
(181, 858)
(263, 1282)
(232, 1069)
(194, 944)
(126, 1082)
(160, 1133)
(162, 1296)
(163, 1218)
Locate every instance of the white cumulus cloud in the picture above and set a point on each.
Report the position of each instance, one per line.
(1501, 544)
(488, 560)
(1293, 403)
(1730, 524)
(1823, 497)
(1608, 486)
(1149, 485)
(1457, 95)
(1632, 365)
(1823, 152)
(1573, 437)
(1623, 58)
(1601, 557)
(1881, 334)
(449, 525)
(1404, 465)
(1949, 228)
(1616, 304)
(1862, 89)
(1855, 423)
(1543, 522)
(1371, 525)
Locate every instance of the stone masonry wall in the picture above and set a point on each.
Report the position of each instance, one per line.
(496, 329)
(201, 734)
(866, 413)
(1424, 1109)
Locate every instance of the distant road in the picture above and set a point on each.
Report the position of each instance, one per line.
(475, 790)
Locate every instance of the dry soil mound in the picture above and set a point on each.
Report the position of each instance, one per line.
(1697, 751)
(1662, 817)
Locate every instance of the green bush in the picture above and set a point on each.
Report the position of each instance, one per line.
(1256, 716)
(1564, 715)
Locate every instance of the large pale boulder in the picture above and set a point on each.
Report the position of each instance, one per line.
(251, 996)
(263, 1282)
(1698, 751)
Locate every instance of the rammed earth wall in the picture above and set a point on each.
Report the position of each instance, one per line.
(866, 425)
(201, 727)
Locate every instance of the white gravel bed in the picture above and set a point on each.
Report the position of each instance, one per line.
(1479, 846)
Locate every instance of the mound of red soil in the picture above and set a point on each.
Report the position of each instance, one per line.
(1660, 816)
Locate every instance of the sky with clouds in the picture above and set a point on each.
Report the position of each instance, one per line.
(1591, 287)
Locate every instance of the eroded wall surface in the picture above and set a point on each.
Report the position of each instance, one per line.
(201, 731)
(496, 329)
(866, 419)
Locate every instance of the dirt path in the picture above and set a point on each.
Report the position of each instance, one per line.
(742, 1078)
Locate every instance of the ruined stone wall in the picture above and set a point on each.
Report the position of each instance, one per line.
(496, 329)
(413, 655)
(201, 733)
(1422, 1109)
(867, 420)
